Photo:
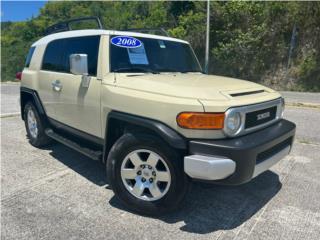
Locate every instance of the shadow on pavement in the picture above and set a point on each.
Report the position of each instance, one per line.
(94, 171)
(207, 208)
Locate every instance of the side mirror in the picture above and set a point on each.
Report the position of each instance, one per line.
(79, 64)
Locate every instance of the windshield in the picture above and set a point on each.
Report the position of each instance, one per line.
(152, 56)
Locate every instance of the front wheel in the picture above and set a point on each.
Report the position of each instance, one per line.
(146, 174)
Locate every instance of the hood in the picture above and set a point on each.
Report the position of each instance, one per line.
(190, 85)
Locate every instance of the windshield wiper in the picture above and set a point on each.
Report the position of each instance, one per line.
(189, 71)
(175, 70)
(167, 70)
(135, 69)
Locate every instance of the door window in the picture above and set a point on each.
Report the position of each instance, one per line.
(29, 56)
(52, 56)
(57, 54)
(84, 45)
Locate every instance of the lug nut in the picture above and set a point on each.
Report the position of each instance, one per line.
(143, 180)
(151, 180)
(153, 173)
(143, 166)
(150, 167)
(139, 172)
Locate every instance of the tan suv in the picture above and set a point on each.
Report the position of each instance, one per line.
(141, 104)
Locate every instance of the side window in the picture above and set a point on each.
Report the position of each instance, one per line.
(29, 56)
(85, 45)
(53, 56)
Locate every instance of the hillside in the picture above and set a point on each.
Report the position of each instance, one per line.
(273, 43)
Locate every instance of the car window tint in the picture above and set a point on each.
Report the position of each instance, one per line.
(82, 45)
(53, 56)
(156, 55)
(29, 56)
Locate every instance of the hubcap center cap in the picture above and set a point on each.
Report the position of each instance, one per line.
(146, 173)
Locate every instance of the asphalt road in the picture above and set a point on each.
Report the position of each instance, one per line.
(56, 193)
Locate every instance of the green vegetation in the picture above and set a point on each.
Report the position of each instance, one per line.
(248, 40)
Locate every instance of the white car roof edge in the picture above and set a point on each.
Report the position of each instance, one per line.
(80, 33)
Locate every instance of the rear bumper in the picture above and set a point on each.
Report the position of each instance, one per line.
(237, 160)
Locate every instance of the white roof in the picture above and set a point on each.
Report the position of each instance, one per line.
(80, 33)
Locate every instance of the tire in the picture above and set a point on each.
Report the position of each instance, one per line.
(169, 168)
(35, 126)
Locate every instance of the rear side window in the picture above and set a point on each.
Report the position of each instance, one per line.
(57, 54)
(29, 56)
(52, 60)
(84, 45)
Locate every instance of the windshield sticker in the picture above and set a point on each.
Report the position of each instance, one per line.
(126, 42)
(161, 43)
(138, 55)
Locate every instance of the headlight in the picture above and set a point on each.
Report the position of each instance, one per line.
(232, 123)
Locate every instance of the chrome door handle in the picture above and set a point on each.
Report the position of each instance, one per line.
(56, 85)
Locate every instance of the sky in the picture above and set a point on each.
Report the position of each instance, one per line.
(15, 11)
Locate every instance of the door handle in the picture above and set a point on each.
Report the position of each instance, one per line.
(56, 85)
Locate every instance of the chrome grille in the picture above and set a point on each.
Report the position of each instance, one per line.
(249, 112)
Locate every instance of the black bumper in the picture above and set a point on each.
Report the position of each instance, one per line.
(247, 150)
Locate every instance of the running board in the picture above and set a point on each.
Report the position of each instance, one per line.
(95, 155)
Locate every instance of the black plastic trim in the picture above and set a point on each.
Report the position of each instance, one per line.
(78, 133)
(245, 149)
(169, 135)
(246, 93)
(36, 99)
(65, 26)
(95, 155)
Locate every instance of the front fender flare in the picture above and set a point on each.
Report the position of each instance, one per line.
(172, 137)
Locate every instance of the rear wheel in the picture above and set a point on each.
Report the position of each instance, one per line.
(146, 175)
(35, 126)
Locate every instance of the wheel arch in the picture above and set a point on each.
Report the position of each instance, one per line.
(30, 95)
(119, 123)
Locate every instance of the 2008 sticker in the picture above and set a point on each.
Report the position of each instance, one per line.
(126, 42)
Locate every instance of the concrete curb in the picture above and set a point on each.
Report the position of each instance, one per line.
(5, 115)
(303, 104)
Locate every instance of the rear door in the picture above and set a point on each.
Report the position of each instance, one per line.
(50, 70)
(74, 105)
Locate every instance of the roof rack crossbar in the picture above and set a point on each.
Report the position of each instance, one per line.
(65, 26)
(149, 30)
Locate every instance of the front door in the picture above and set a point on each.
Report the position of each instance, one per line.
(74, 105)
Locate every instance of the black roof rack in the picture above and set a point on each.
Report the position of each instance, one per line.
(65, 26)
(157, 31)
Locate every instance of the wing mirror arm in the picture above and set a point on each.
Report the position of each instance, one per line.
(79, 66)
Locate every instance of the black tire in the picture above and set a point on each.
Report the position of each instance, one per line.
(130, 142)
(41, 139)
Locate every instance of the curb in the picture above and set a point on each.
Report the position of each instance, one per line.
(5, 115)
(304, 105)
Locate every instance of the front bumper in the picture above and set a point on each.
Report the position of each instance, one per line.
(237, 160)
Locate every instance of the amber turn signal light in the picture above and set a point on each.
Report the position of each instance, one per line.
(194, 120)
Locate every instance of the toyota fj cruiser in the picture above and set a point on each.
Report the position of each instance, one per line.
(141, 104)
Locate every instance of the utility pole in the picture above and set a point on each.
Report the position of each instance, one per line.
(206, 66)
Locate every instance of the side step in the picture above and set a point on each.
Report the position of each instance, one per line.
(95, 155)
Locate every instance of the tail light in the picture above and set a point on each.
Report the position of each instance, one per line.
(19, 75)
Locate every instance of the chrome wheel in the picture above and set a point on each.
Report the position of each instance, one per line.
(32, 123)
(145, 175)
